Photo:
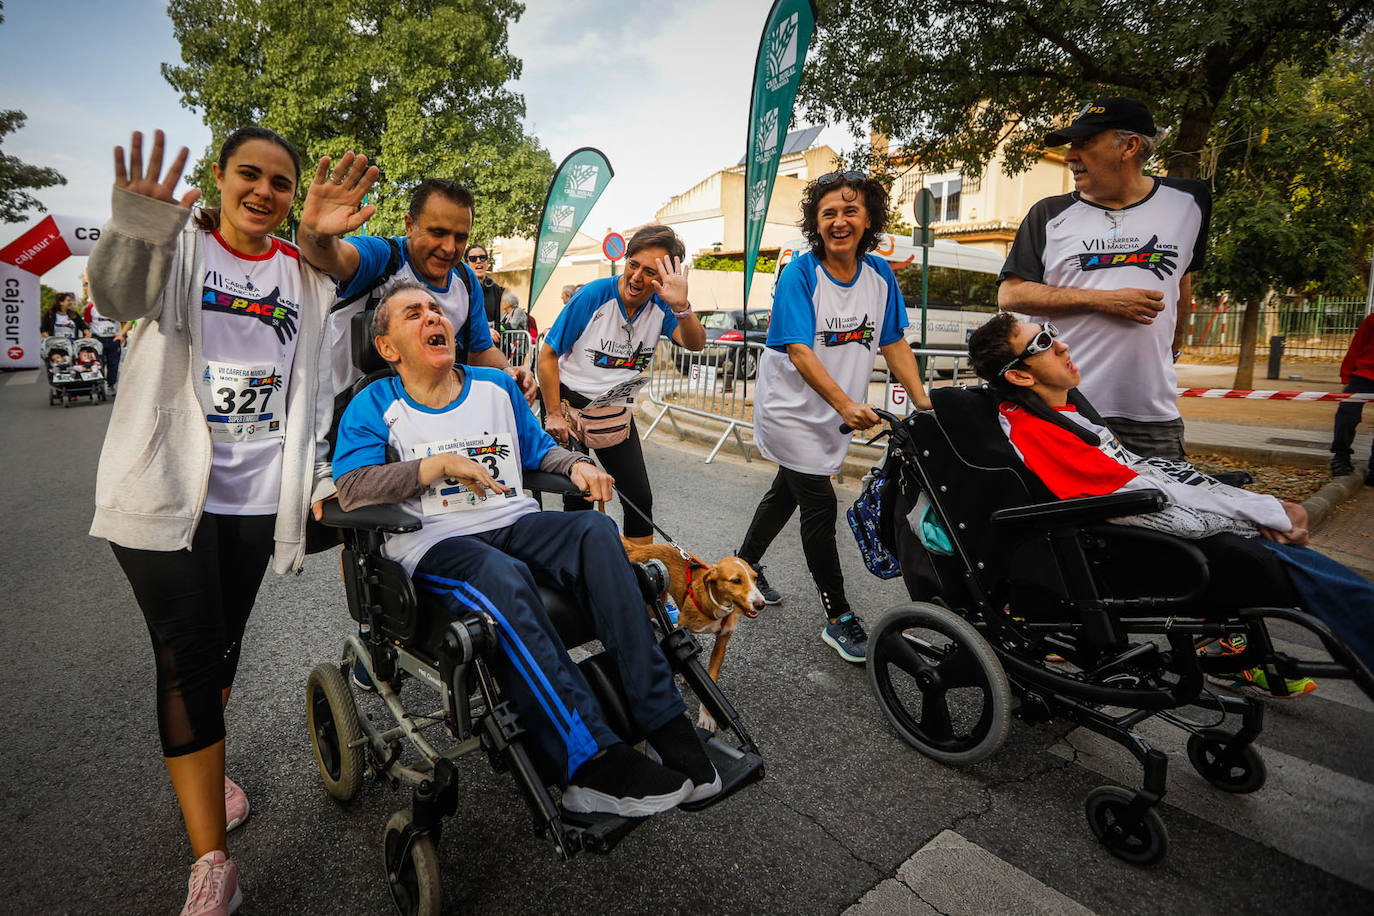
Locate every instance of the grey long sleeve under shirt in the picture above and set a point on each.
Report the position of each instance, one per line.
(384, 484)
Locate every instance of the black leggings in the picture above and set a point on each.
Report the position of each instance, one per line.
(624, 462)
(196, 604)
(816, 497)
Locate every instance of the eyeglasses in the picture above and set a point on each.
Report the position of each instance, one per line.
(832, 177)
(1038, 344)
(477, 259)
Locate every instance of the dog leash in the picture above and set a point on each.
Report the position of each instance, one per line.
(690, 560)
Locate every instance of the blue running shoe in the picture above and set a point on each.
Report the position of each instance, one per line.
(847, 637)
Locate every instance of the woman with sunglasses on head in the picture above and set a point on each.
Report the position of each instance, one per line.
(207, 469)
(834, 308)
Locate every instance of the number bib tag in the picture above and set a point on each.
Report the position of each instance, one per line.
(243, 403)
(494, 451)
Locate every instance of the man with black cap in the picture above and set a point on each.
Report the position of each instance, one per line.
(1109, 263)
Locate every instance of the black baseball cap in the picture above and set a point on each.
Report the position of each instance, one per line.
(1106, 114)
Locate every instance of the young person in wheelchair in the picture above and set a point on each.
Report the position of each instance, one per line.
(463, 434)
(1029, 367)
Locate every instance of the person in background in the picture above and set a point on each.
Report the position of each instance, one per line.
(479, 259)
(570, 290)
(111, 334)
(1357, 374)
(1111, 264)
(63, 319)
(834, 309)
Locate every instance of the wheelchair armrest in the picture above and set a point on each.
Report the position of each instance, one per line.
(544, 482)
(389, 518)
(1083, 510)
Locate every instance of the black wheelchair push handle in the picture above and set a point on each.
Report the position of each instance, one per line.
(890, 418)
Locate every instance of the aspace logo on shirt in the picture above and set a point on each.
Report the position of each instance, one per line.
(638, 360)
(1159, 260)
(271, 309)
(495, 447)
(843, 331)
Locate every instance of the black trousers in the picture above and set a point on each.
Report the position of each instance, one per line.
(624, 462)
(1348, 416)
(815, 495)
(196, 604)
(112, 352)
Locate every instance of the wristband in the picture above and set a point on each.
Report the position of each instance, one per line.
(685, 313)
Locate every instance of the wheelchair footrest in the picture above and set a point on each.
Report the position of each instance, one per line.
(596, 832)
(737, 769)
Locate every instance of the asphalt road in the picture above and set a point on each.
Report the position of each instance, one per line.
(90, 823)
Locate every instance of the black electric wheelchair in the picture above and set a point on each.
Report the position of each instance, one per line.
(1037, 608)
(410, 639)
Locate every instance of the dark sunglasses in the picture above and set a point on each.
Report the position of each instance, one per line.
(477, 259)
(832, 177)
(1038, 344)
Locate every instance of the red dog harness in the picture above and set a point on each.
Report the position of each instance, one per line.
(690, 565)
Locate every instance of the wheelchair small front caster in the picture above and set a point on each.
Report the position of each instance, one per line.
(1138, 840)
(412, 868)
(1235, 772)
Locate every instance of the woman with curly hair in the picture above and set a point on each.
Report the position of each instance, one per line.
(834, 308)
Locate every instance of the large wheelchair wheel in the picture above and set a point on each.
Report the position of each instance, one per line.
(939, 683)
(1138, 840)
(412, 875)
(334, 731)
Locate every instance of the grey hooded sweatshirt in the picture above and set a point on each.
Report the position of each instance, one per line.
(154, 470)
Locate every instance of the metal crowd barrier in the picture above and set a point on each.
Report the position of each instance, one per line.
(710, 385)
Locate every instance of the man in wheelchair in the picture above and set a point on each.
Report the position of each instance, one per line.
(1062, 441)
(462, 436)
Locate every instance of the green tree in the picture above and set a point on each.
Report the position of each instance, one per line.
(951, 80)
(420, 86)
(1295, 175)
(17, 177)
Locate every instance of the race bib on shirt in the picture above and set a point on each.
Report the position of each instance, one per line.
(623, 393)
(244, 402)
(494, 451)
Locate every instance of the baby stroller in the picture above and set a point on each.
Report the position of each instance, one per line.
(75, 369)
(416, 652)
(1036, 607)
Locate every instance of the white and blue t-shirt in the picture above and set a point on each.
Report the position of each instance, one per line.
(598, 346)
(845, 324)
(489, 422)
(460, 298)
(250, 306)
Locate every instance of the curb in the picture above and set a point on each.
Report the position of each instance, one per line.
(1319, 505)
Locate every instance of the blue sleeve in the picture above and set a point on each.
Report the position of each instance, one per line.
(572, 321)
(669, 322)
(478, 332)
(373, 254)
(794, 311)
(894, 315)
(363, 433)
(534, 442)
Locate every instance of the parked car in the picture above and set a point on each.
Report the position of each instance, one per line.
(727, 325)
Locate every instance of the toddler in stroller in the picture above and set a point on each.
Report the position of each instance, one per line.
(74, 369)
(1024, 589)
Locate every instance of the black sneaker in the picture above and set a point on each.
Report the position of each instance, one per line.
(1341, 466)
(847, 637)
(1369, 475)
(769, 593)
(623, 781)
(679, 747)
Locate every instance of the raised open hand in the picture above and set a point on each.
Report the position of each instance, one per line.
(332, 205)
(671, 283)
(150, 182)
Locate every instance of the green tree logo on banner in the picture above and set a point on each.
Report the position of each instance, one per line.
(573, 192)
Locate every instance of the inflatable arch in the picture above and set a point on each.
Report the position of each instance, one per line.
(50, 242)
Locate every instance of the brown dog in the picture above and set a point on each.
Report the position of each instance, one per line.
(710, 599)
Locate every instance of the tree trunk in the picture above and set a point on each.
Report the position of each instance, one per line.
(1249, 333)
(1192, 137)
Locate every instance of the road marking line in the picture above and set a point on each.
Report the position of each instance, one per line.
(952, 875)
(1304, 810)
(23, 377)
(1333, 689)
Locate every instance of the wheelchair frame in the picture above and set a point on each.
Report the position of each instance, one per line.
(1113, 671)
(348, 746)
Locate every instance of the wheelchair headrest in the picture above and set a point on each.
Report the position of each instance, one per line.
(365, 355)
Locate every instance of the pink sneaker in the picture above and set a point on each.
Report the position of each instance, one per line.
(235, 805)
(214, 886)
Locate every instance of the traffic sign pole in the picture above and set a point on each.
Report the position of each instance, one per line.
(613, 247)
(925, 212)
